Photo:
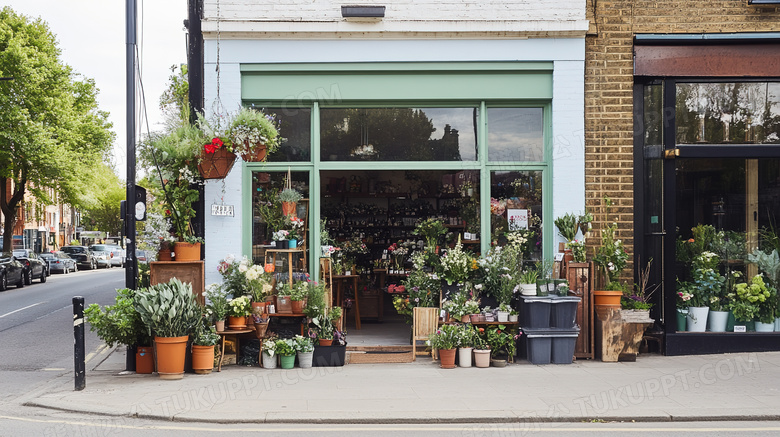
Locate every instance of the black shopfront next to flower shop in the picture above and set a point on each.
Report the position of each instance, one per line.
(706, 154)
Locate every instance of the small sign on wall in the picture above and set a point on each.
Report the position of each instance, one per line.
(222, 210)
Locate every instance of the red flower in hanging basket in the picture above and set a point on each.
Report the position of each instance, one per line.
(212, 147)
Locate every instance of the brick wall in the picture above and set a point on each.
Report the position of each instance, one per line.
(609, 86)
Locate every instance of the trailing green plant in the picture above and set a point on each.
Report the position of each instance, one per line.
(446, 337)
(567, 226)
(119, 323)
(169, 309)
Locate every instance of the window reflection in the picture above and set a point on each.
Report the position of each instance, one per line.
(295, 128)
(515, 134)
(731, 112)
(398, 134)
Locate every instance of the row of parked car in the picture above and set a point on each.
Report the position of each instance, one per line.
(23, 266)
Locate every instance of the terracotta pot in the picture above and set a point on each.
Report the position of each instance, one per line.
(216, 165)
(323, 342)
(258, 155)
(202, 359)
(607, 298)
(297, 306)
(447, 358)
(465, 318)
(144, 359)
(170, 353)
(236, 322)
(187, 251)
(474, 318)
(288, 209)
(258, 308)
(260, 329)
(164, 255)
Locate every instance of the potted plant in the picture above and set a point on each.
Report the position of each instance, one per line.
(578, 252)
(707, 283)
(513, 315)
(567, 226)
(684, 296)
(445, 340)
(170, 312)
(289, 198)
(637, 302)
(471, 308)
(455, 305)
(253, 134)
(298, 295)
(323, 328)
(503, 312)
(465, 344)
(304, 346)
(456, 265)
(769, 265)
(239, 309)
(269, 352)
(121, 324)
(204, 340)
(217, 305)
(528, 282)
(502, 344)
(481, 349)
(431, 229)
(747, 299)
(285, 348)
(611, 258)
(584, 222)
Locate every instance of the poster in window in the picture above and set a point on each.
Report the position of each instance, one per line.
(518, 219)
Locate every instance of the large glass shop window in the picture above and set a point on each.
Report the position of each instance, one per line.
(516, 210)
(267, 216)
(728, 113)
(398, 134)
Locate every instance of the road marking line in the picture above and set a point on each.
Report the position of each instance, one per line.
(20, 309)
(119, 422)
(53, 369)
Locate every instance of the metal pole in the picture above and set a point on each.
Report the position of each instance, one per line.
(130, 32)
(78, 343)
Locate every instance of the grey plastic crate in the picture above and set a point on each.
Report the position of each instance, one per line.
(563, 313)
(535, 312)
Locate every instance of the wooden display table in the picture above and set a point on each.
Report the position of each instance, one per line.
(230, 333)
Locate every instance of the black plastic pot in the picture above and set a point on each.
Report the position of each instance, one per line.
(329, 356)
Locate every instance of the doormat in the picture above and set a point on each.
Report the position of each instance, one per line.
(379, 357)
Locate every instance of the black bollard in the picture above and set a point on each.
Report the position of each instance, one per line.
(78, 343)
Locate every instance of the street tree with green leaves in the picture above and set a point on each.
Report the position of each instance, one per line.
(52, 134)
(100, 211)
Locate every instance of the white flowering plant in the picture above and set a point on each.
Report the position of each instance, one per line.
(611, 255)
(251, 128)
(456, 265)
(242, 277)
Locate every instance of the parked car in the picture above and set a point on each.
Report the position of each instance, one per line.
(103, 258)
(118, 256)
(34, 267)
(60, 262)
(140, 255)
(11, 271)
(83, 256)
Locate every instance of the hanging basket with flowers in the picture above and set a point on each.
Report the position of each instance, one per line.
(215, 160)
(254, 134)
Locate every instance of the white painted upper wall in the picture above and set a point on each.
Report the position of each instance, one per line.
(403, 18)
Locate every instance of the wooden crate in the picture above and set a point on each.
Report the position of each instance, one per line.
(580, 277)
(160, 272)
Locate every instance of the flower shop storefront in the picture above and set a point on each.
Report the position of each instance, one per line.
(470, 145)
(708, 159)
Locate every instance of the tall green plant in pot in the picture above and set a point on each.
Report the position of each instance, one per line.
(119, 323)
(170, 313)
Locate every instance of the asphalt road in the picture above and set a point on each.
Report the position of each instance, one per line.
(36, 327)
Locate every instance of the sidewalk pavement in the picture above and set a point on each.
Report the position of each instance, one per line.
(654, 388)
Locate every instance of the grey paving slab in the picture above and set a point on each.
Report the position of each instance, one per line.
(713, 387)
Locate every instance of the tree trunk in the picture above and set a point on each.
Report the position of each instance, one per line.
(8, 206)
